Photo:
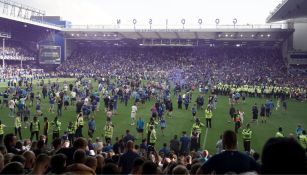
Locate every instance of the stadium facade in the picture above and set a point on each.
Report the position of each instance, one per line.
(53, 40)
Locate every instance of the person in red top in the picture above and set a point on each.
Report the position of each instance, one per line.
(237, 121)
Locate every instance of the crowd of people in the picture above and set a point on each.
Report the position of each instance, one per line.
(220, 68)
(71, 152)
(169, 72)
(279, 156)
(17, 52)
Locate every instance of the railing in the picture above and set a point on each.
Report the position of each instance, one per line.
(175, 27)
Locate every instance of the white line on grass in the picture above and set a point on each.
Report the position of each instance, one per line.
(205, 140)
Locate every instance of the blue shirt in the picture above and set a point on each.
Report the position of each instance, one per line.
(91, 124)
(185, 141)
(140, 124)
(165, 151)
(162, 123)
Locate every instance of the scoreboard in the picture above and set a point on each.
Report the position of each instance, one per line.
(49, 54)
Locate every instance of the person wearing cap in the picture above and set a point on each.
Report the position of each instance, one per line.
(108, 131)
(247, 136)
(279, 133)
(209, 115)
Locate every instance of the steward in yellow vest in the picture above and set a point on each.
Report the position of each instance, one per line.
(247, 136)
(279, 133)
(108, 131)
(71, 129)
(208, 113)
(56, 127)
(2, 126)
(34, 128)
(153, 136)
(18, 126)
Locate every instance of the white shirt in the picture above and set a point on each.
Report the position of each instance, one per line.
(73, 94)
(11, 104)
(134, 109)
(65, 88)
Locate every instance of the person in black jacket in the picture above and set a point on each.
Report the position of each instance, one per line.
(262, 114)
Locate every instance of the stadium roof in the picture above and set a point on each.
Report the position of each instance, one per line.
(269, 36)
(227, 33)
(289, 9)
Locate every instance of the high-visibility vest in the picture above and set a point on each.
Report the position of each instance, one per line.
(197, 127)
(80, 121)
(208, 114)
(153, 137)
(148, 125)
(1, 129)
(303, 140)
(17, 122)
(279, 134)
(56, 126)
(35, 126)
(247, 134)
(71, 129)
(108, 131)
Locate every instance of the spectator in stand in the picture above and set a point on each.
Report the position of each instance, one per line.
(180, 169)
(175, 145)
(128, 137)
(10, 141)
(185, 143)
(79, 167)
(1, 162)
(41, 164)
(231, 160)
(30, 160)
(58, 164)
(13, 168)
(150, 167)
(80, 143)
(283, 156)
(126, 160)
(137, 166)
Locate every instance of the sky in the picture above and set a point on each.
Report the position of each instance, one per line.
(106, 12)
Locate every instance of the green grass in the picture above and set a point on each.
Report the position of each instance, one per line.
(182, 120)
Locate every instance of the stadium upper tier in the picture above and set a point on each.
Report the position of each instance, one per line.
(288, 9)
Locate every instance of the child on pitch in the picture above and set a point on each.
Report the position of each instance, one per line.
(38, 108)
(194, 109)
(241, 114)
(162, 125)
(277, 104)
(134, 109)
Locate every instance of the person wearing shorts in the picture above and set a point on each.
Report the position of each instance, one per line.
(133, 113)
(140, 123)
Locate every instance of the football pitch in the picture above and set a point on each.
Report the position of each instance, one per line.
(181, 120)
